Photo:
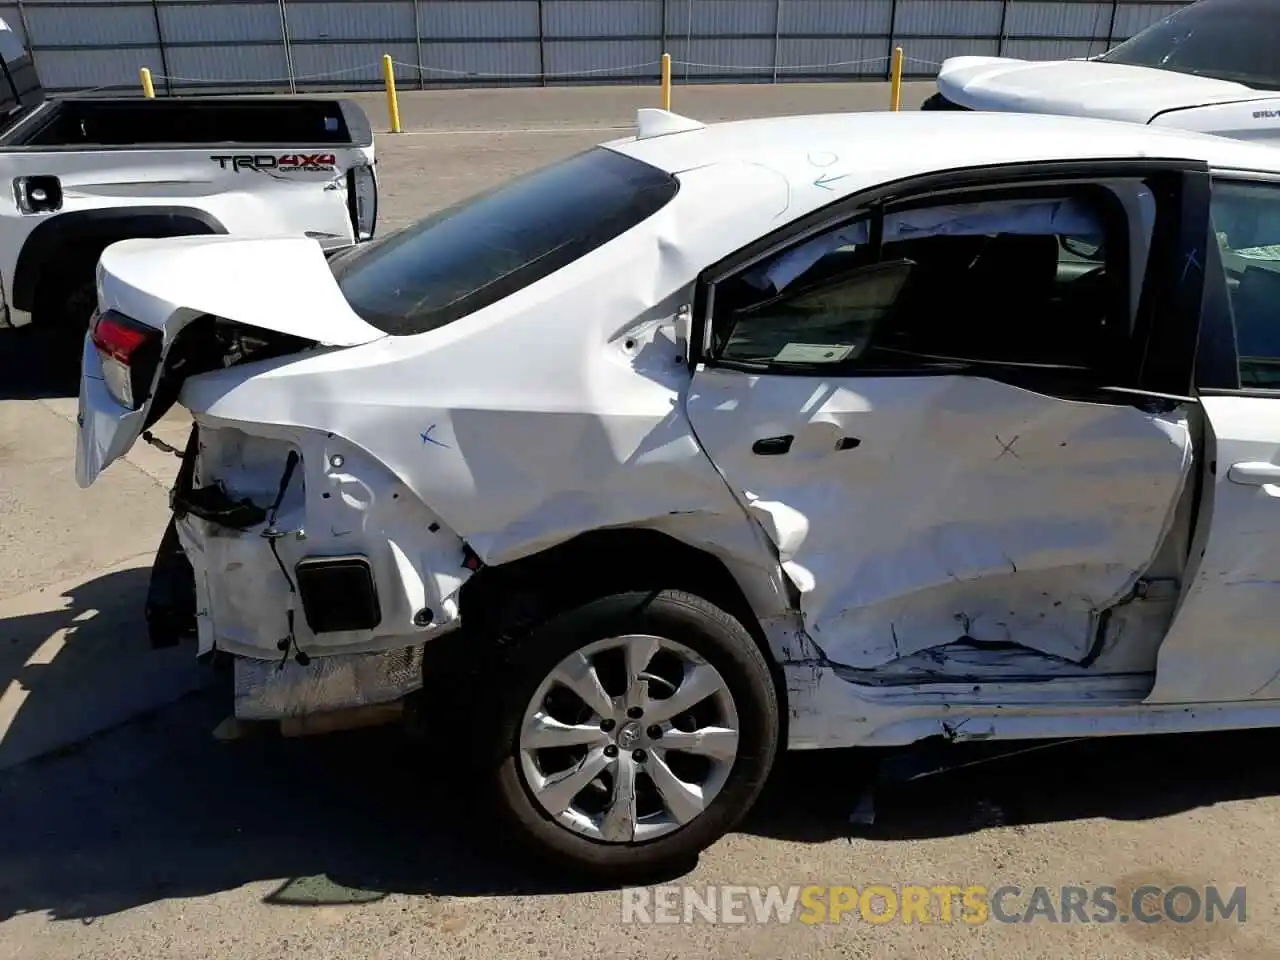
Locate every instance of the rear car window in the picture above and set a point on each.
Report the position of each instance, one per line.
(1237, 40)
(487, 247)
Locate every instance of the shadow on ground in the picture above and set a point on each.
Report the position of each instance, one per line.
(1121, 778)
(35, 366)
(159, 809)
(78, 661)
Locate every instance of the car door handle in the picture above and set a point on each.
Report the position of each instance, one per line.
(772, 446)
(1254, 474)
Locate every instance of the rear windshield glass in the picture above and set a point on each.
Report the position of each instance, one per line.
(488, 247)
(1235, 40)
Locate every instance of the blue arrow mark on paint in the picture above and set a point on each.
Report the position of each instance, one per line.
(427, 438)
(824, 181)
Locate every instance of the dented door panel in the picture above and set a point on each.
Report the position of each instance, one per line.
(913, 512)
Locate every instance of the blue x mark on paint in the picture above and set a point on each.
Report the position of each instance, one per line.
(427, 438)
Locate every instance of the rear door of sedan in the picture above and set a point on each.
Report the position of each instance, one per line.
(949, 428)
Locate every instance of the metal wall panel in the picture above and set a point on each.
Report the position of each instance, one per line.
(452, 62)
(379, 20)
(711, 57)
(601, 59)
(256, 65)
(969, 18)
(836, 17)
(712, 18)
(224, 45)
(1058, 20)
(615, 18)
(1133, 18)
(360, 62)
(230, 23)
(924, 56)
(91, 26)
(478, 19)
(809, 57)
(1047, 49)
(92, 69)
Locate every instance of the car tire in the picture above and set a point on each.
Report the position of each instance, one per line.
(938, 102)
(691, 634)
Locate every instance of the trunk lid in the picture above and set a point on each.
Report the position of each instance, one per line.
(1084, 88)
(267, 296)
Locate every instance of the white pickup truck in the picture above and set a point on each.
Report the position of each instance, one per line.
(81, 174)
(1211, 67)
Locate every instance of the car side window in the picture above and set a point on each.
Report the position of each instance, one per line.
(1022, 282)
(1246, 217)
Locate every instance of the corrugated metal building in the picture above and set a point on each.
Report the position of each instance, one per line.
(257, 45)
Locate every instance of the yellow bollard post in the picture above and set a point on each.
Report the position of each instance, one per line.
(148, 90)
(393, 105)
(666, 81)
(895, 81)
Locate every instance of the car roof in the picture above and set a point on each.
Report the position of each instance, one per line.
(853, 151)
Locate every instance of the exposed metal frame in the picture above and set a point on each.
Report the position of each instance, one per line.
(417, 45)
(893, 42)
(542, 44)
(164, 55)
(288, 47)
(777, 37)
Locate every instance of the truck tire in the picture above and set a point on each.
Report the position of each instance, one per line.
(629, 734)
(63, 313)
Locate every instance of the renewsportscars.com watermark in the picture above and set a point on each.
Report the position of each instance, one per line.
(945, 903)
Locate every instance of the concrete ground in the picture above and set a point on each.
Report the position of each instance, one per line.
(152, 839)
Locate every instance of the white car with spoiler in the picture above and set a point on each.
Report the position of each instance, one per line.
(723, 439)
(1213, 67)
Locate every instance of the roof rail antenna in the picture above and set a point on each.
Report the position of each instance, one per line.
(652, 122)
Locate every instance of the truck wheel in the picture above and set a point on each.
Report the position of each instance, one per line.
(632, 733)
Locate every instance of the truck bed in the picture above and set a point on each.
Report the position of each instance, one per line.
(87, 124)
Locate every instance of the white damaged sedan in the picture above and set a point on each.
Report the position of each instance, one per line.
(808, 432)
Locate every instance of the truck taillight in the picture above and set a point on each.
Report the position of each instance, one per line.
(129, 352)
(362, 200)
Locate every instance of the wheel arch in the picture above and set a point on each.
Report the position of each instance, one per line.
(509, 599)
(44, 253)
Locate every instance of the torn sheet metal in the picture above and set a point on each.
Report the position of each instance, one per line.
(339, 501)
(968, 508)
(827, 711)
(275, 689)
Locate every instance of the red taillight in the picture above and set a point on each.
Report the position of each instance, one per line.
(130, 353)
(118, 337)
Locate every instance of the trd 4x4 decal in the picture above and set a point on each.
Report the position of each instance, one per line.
(286, 163)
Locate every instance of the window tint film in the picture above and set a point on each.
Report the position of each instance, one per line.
(487, 247)
(1247, 220)
(1236, 40)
